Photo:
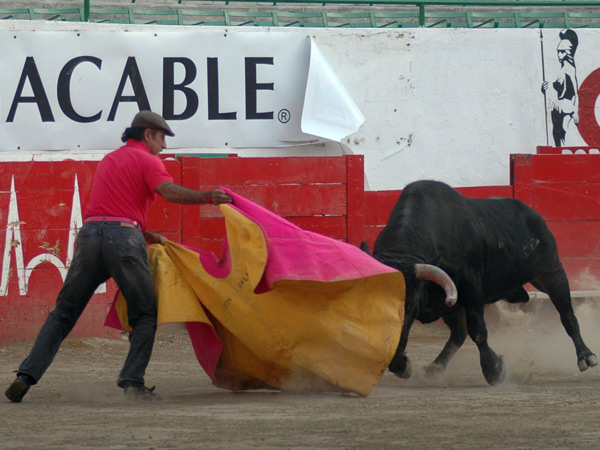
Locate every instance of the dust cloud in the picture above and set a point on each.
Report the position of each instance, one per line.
(532, 340)
(528, 336)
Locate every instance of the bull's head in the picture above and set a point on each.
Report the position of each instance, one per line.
(427, 272)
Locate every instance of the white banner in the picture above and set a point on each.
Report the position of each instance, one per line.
(445, 103)
(79, 90)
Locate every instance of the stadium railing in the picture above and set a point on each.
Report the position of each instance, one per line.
(348, 13)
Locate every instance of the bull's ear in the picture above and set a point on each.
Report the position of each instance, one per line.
(365, 247)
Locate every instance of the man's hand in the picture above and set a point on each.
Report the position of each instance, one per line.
(154, 238)
(218, 196)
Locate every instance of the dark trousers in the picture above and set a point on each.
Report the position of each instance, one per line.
(103, 250)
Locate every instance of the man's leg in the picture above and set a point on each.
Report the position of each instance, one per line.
(84, 276)
(130, 269)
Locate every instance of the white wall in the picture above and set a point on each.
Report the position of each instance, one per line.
(449, 104)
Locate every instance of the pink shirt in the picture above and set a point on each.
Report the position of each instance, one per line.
(125, 183)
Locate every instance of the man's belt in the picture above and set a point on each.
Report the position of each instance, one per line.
(125, 221)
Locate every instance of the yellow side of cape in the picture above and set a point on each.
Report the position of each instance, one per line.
(300, 336)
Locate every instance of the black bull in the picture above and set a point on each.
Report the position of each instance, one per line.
(489, 248)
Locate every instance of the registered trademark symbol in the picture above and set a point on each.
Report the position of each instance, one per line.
(284, 116)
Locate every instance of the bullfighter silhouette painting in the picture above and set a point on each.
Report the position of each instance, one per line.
(563, 98)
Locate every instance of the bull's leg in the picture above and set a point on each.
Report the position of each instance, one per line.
(491, 364)
(400, 364)
(556, 286)
(458, 333)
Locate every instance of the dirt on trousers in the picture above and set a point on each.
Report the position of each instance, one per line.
(544, 403)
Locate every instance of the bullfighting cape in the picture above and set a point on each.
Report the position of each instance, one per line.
(283, 308)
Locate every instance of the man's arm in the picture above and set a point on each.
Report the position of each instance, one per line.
(174, 193)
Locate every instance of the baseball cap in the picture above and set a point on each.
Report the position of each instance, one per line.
(149, 119)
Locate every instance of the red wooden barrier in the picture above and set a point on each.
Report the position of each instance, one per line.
(41, 206)
(39, 202)
(565, 190)
(45, 208)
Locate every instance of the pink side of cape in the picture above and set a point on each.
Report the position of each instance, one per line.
(297, 254)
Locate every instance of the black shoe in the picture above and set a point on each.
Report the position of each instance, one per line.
(17, 390)
(137, 391)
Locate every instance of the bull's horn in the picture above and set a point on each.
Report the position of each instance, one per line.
(438, 276)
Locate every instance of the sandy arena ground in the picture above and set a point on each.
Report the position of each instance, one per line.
(544, 403)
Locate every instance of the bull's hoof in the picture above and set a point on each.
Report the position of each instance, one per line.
(496, 378)
(587, 362)
(403, 375)
(406, 373)
(434, 370)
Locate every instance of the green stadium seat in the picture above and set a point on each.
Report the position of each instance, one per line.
(61, 14)
(157, 16)
(583, 20)
(446, 19)
(315, 19)
(541, 20)
(492, 20)
(396, 19)
(351, 20)
(252, 18)
(205, 18)
(111, 15)
(16, 13)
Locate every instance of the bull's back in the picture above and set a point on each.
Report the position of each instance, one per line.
(519, 244)
(428, 217)
(502, 240)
